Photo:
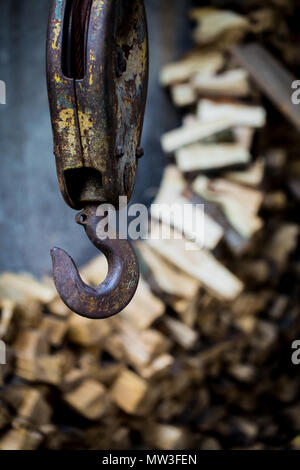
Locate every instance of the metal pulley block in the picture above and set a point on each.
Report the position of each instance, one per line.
(97, 76)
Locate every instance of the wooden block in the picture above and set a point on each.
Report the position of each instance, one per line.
(213, 23)
(187, 219)
(271, 77)
(240, 203)
(186, 135)
(57, 307)
(236, 242)
(30, 345)
(183, 94)
(253, 176)
(170, 280)
(158, 368)
(52, 368)
(240, 114)
(155, 342)
(198, 157)
(33, 359)
(199, 264)
(7, 308)
(233, 83)
(243, 136)
(88, 399)
(34, 411)
(128, 391)
(26, 284)
(196, 62)
(167, 437)
(138, 348)
(133, 346)
(20, 439)
(187, 310)
(144, 308)
(87, 332)
(54, 330)
(282, 244)
(181, 333)
(175, 210)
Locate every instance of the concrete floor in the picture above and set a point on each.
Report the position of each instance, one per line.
(33, 216)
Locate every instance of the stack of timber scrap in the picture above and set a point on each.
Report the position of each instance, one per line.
(201, 358)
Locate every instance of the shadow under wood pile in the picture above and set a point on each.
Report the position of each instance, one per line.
(201, 358)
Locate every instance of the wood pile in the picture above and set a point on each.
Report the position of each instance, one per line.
(201, 358)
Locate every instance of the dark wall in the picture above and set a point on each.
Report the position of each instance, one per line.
(33, 216)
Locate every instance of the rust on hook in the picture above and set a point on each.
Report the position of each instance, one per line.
(115, 292)
(97, 76)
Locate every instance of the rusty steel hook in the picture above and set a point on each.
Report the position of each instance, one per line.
(115, 292)
(97, 75)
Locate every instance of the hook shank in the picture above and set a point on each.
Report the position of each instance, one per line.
(115, 292)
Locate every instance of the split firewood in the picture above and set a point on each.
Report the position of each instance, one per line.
(199, 264)
(57, 307)
(233, 83)
(186, 135)
(144, 309)
(166, 437)
(240, 204)
(33, 359)
(283, 242)
(253, 176)
(196, 62)
(214, 23)
(237, 243)
(158, 367)
(7, 308)
(138, 348)
(27, 286)
(34, 410)
(181, 333)
(88, 399)
(243, 136)
(87, 332)
(203, 157)
(175, 210)
(54, 329)
(271, 77)
(187, 219)
(239, 113)
(171, 281)
(20, 439)
(128, 391)
(183, 94)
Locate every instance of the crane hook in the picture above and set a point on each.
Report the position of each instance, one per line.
(116, 291)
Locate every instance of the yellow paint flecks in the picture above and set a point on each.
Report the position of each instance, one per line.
(85, 121)
(86, 124)
(57, 78)
(91, 80)
(66, 125)
(56, 33)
